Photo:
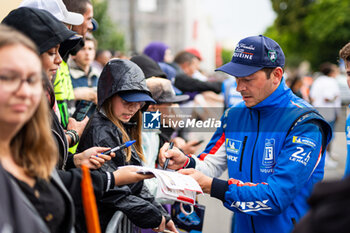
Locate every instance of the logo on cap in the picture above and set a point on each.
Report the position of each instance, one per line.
(272, 54)
(151, 120)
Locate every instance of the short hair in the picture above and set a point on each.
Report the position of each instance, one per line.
(344, 53)
(183, 57)
(326, 68)
(78, 6)
(268, 71)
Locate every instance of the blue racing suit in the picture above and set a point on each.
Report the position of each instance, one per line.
(347, 132)
(273, 152)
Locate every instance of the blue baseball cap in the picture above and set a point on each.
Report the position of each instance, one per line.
(136, 96)
(252, 54)
(94, 24)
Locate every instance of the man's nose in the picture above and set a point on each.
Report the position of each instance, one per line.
(240, 85)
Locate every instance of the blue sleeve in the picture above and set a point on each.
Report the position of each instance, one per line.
(299, 162)
(347, 132)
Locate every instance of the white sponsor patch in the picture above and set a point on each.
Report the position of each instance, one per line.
(300, 156)
(251, 205)
(304, 141)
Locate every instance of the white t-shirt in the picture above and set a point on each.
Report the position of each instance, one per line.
(323, 88)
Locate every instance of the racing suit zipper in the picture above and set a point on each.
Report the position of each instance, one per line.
(241, 161)
(251, 162)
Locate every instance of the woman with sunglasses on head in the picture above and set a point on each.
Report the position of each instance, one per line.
(122, 95)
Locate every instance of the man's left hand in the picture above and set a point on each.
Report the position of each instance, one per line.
(203, 180)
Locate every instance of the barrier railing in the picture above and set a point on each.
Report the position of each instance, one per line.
(119, 223)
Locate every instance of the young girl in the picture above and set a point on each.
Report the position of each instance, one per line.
(122, 94)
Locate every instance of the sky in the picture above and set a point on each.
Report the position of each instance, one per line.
(235, 19)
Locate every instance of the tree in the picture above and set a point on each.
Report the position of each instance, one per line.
(107, 35)
(226, 55)
(288, 29)
(328, 27)
(312, 30)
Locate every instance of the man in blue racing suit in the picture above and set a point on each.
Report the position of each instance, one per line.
(272, 143)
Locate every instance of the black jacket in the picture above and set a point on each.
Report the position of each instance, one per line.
(72, 177)
(189, 84)
(329, 209)
(18, 212)
(133, 200)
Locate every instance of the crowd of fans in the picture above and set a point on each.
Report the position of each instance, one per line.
(64, 102)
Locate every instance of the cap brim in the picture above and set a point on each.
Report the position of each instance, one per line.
(73, 18)
(136, 97)
(94, 24)
(69, 44)
(76, 37)
(238, 70)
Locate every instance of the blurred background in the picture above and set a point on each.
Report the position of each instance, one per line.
(310, 32)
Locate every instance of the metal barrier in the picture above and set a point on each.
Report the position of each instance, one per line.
(119, 223)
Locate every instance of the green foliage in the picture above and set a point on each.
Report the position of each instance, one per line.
(107, 34)
(312, 30)
(226, 55)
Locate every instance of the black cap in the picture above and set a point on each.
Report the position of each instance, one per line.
(39, 25)
(149, 67)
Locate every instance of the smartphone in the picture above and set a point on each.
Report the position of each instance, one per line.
(199, 142)
(82, 109)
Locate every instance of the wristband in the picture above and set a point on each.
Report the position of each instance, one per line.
(74, 136)
(187, 162)
(108, 181)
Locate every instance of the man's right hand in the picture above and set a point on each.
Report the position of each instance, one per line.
(177, 158)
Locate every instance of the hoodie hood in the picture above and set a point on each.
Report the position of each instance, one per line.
(118, 76)
(156, 51)
(39, 25)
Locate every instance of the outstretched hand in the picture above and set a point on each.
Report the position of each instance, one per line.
(128, 174)
(163, 225)
(92, 157)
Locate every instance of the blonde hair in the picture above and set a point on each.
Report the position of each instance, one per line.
(135, 132)
(33, 147)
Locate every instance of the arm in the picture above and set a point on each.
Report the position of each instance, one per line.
(188, 84)
(85, 93)
(283, 186)
(212, 161)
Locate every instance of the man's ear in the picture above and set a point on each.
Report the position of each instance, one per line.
(277, 75)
